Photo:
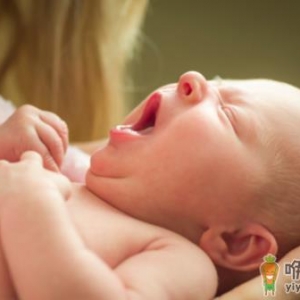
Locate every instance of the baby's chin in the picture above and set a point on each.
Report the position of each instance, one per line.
(90, 180)
(97, 185)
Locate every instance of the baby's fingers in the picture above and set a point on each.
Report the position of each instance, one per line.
(32, 157)
(60, 181)
(58, 125)
(51, 147)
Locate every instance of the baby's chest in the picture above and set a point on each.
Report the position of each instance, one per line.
(109, 234)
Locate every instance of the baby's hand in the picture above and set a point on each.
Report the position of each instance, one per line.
(27, 180)
(30, 128)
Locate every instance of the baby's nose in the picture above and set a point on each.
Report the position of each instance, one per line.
(192, 87)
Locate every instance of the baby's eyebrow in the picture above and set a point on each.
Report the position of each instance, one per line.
(231, 94)
(236, 97)
(230, 90)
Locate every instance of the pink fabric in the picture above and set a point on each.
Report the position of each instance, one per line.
(6, 109)
(75, 163)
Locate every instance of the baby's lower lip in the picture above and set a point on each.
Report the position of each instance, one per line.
(126, 129)
(129, 130)
(123, 133)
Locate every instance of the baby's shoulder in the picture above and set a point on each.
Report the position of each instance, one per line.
(155, 238)
(116, 236)
(179, 267)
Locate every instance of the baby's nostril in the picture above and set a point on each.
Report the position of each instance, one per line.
(187, 89)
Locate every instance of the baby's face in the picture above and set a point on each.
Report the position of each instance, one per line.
(193, 148)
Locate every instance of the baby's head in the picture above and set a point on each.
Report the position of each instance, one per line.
(271, 213)
(216, 161)
(275, 189)
(278, 200)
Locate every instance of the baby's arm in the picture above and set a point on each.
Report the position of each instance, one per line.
(6, 286)
(48, 259)
(30, 128)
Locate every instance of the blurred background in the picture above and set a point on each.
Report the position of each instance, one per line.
(230, 38)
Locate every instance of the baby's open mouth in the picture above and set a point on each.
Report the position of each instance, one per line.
(147, 121)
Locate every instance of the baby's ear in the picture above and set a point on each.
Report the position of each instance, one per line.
(240, 250)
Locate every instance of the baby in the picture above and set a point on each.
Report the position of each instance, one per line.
(198, 167)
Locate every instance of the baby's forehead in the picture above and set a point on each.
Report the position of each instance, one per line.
(272, 105)
(254, 83)
(258, 88)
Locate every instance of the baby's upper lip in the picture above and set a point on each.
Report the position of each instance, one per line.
(147, 121)
(149, 115)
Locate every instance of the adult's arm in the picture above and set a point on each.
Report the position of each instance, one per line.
(253, 289)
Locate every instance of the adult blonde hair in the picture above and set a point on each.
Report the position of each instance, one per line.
(70, 57)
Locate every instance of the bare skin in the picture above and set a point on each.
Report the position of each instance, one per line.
(122, 198)
(88, 249)
(80, 246)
